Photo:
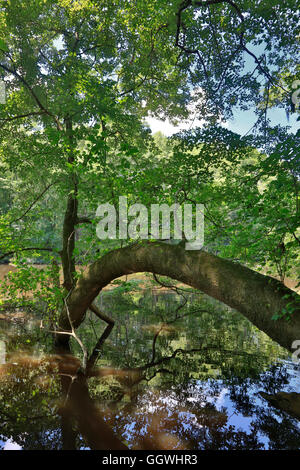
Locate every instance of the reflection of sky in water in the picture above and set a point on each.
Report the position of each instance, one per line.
(10, 445)
(186, 404)
(201, 394)
(244, 422)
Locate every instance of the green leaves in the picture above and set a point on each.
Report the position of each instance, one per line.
(3, 46)
(102, 75)
(290, 308)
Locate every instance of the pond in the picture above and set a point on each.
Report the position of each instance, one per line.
(176, 372)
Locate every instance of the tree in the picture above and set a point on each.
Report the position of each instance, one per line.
(69, 84)
(81, 77)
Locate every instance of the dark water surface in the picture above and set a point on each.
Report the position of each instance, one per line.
(170, 376)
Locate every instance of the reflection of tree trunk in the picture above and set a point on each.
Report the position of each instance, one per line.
(256, 296)
(80, 407)
(67, 420)
(288, 402)
(98, 435)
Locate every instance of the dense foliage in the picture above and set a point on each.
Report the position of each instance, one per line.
(82, 77)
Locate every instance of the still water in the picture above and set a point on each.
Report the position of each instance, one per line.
(175, 373)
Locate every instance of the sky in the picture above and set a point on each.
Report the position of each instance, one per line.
(10, 445)
(242, 121)
(241, 124)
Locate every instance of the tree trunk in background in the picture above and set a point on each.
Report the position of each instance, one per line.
(256, 296)
(67, 253)
(70, 221)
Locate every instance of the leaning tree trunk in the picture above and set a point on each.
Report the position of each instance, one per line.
(256, 296)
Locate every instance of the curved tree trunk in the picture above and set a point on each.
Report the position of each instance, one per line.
(256, 296)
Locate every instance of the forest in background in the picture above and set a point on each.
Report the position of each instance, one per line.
(81, 80)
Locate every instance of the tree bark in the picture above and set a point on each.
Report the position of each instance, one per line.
(256, 296)
(67, 253)
(70, 220)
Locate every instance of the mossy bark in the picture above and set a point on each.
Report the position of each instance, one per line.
(256, 296)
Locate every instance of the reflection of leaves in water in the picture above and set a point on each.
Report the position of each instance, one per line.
(28, 398)
(166, 420)
(215, 330)
(173, 380)
(231, 350)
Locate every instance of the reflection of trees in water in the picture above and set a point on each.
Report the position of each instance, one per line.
(164, 420)
(46, 405)
(281, 429)
(26, 398)
(165, 391)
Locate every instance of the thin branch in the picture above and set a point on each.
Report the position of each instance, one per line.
(83, 220)
(33, 94)
(195, 350)
(33, 203)
(110, 324)
(73, 333)
(101, 315)
(19, 250)
(175, 289)
(186, 4)
(22, 116)
(95, 354)
(154, 343)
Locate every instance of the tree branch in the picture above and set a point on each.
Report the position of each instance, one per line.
(19, 250)
(33, 203)
(187, 3)
(33, 94)
(21, 116)
(83, 220)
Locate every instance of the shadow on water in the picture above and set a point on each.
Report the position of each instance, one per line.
(173, 374)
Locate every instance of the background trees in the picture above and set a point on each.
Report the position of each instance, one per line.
(81, 78)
